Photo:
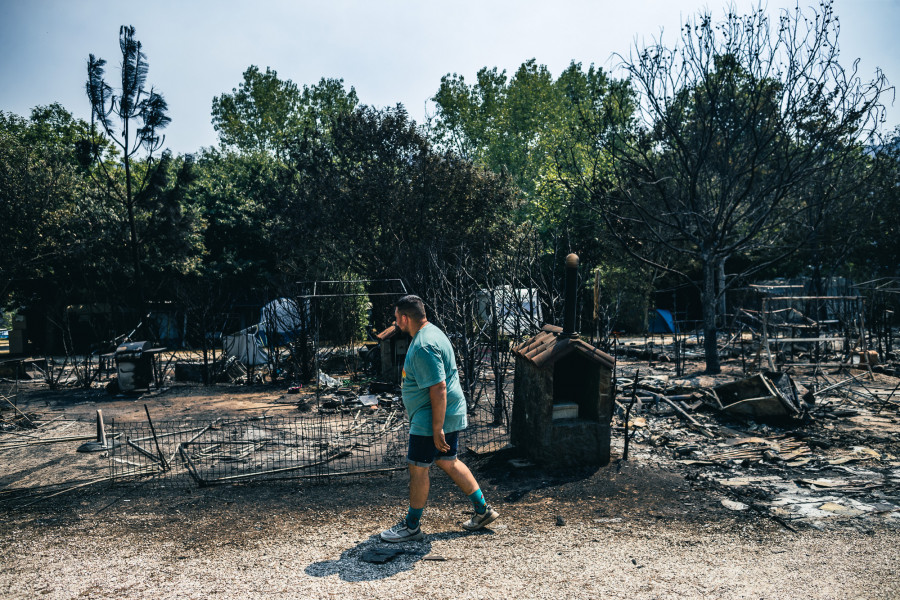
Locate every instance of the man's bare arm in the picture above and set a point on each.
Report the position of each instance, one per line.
(438, 395)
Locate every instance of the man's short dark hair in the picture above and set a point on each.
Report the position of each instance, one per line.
(411, 306)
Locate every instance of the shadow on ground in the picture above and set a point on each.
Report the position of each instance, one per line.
(354, 564)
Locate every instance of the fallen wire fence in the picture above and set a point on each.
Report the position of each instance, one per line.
(337, 442)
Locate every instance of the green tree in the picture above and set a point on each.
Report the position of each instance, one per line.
(39, 183)
(54, 220)
(381, 201)
(141, 114)
(520, 124)
(62, 236)
(265, 113)
(170, 222)
(238, 196)
(544, 133)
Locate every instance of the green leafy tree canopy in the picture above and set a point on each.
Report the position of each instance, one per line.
(264, 113)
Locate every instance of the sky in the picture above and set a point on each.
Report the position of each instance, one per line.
(390, 51)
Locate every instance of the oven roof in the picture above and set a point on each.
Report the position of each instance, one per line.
(548, 346)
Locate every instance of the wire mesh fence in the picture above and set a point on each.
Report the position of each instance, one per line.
(346, 440)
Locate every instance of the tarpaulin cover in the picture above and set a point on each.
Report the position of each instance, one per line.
(662, 321)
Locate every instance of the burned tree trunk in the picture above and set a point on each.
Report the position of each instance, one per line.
(720, 290)
(710, 331)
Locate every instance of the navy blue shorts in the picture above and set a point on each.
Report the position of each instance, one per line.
(423, 453)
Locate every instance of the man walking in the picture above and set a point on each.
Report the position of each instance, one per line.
(437, 413)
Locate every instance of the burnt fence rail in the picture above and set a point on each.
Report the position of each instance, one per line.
(311, 446)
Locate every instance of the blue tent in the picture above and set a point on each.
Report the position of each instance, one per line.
(662, 321)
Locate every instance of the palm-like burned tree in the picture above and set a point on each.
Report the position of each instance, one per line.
(141, 114)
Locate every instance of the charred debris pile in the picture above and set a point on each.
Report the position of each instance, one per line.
(802, 449)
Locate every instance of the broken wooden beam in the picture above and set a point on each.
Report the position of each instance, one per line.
(16, 408)
(74, 438)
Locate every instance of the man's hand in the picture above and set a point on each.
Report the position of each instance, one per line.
(439, 442)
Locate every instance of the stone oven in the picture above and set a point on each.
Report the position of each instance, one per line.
(563, 400)
(393, 344)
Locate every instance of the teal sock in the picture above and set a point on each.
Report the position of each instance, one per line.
(413, 516)
(478, 502)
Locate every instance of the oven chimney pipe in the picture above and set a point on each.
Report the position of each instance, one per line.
(571, 290)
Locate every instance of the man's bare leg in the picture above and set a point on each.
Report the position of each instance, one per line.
(460, 474)
(408, 529)
(419, 484)
(463, 478)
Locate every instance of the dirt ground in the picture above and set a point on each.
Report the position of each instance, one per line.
(649, 527)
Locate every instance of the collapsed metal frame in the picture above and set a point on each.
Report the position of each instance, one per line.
(258, 448)
(883, 309)
(845, 339)
(318, 445)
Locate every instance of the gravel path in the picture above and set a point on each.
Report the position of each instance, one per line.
(253, 542)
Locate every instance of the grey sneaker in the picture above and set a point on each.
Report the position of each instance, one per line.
(479, 521)
(402, 533)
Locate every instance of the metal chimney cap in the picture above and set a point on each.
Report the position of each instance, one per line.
(572, 260)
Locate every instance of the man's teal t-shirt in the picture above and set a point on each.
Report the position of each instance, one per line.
(429, 361)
